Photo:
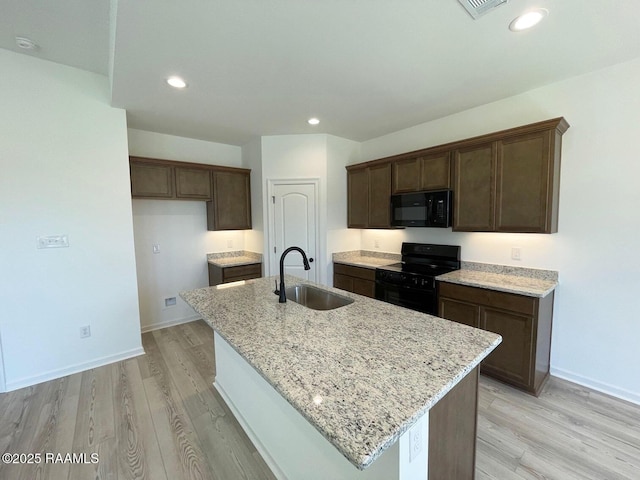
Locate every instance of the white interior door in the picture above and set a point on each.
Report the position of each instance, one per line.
(294, 214)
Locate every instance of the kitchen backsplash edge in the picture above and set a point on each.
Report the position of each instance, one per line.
(537, 273)
(234, 254)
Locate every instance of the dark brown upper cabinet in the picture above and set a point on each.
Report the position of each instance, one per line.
(151, 180)
(429, 172)
(167, 179)
(193, 183)
(231, 205)
(507, 181)
(511, 182)
(474, 188)
(369, 192)
(225, 189)
(527, 183)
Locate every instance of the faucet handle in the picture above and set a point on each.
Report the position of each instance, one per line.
(276, 291)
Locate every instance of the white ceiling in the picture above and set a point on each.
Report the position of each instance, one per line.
(364, 67)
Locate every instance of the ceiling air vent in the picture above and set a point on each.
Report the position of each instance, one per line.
(477, 8)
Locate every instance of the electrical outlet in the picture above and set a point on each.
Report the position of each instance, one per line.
(85, 332)
(156, 248)
(415, 441)
(515, 253)
(376, 243)
(229, 243)
(169, 301)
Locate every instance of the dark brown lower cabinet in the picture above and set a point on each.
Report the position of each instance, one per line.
(218, 275)
(353, 279)
(452, 432)
(522, 359)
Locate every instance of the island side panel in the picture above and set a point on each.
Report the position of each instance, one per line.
(452, 432)
(289, 444)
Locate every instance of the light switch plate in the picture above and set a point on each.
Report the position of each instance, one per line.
(53, 241)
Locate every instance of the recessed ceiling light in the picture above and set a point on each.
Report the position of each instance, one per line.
(528, 19)
(26, 43)
(176, 82)
(313, 121)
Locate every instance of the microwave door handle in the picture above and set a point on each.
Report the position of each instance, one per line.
(430, 211)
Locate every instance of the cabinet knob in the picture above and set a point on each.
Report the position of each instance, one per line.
(311, 260)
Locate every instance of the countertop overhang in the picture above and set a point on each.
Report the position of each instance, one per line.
(361, 374)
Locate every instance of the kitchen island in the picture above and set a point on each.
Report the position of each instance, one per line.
(344, 393)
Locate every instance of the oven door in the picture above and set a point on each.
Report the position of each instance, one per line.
(408, 297)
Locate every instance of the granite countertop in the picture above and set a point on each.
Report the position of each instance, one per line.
(366, 259)
(523, 281)
(234, 259)
(377, 367)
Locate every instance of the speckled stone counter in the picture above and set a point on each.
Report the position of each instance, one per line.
(234, 259)
(366, 259)
(523, 281)
(377, 367)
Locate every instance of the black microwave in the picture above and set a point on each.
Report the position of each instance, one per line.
(421, 209)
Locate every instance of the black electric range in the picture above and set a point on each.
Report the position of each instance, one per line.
(412, 282)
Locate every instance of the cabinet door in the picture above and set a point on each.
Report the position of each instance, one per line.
(343, 282)
(458, 311)
(241, 272)
(474, 195)
(358, 198)
(436, 172)
(524, 182)
(380, 196)
(513, 358)
(231, 205)
(407, 175)
(453, 430)
(193, 183)
(149, 180)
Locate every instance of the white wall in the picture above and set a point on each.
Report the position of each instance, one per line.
(296, 157)
(179, 227)
(318, 156)
(595, 330)
(252, 158)
(340, 152)
(63, 152)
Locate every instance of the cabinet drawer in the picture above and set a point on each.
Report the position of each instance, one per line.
(242, 271)
(482, 296)
(458, 311)
(351, 271)
(364, 287)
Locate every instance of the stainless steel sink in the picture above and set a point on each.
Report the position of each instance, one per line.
(316, 298)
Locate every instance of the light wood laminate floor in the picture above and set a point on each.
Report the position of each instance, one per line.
(158, 417)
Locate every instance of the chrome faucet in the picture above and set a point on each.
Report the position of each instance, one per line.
(305, 261)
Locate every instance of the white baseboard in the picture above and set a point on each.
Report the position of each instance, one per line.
(633, 397)
(79, 367)
(169, 323)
